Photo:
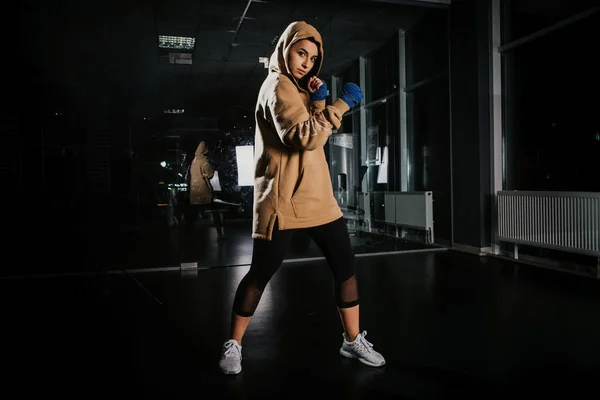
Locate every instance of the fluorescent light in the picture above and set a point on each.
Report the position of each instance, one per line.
(176, 42)
(245, 165)
(174, 111)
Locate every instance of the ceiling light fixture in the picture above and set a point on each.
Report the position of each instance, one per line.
(174, 111)
(176, 42)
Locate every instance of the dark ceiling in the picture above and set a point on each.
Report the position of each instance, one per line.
(110, 47)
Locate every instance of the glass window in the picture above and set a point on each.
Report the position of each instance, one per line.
(343, 151)
(383, 153)
(552, 119)
(382, 71)
(524, 17)
(427, 48)
(429, 145)
(350, 74)
(428, 116)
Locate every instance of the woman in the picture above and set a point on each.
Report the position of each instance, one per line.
(198, 177)
(292, 188)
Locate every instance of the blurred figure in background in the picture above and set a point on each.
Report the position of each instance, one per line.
(201, 192)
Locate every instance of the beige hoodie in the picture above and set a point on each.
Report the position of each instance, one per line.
(292, 181)
(201, 191)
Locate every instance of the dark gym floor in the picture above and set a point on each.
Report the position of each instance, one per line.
(448, 323)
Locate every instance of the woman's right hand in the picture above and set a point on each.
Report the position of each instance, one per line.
(314, 84)
(317, 89)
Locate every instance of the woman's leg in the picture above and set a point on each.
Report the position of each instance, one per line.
(267, 256)
(191, 214)
(266, 259)
(218, 221)
(334, 241)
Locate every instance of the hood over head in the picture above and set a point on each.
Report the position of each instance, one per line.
(294, 32)
(201, 149)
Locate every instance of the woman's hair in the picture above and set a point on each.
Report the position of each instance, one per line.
(312, 39)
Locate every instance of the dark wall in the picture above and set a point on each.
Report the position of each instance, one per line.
(470, 102)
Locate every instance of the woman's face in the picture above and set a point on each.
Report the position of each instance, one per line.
(302, 58)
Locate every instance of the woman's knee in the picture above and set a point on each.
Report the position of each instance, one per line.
(345, 268)
(258, 279)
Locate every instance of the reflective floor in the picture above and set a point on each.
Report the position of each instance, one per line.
(64, 247)
(200, 245)
(448, 324)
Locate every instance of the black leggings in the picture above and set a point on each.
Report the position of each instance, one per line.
(267, 256)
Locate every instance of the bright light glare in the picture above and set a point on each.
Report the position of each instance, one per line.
(216, 184)
(245, 163)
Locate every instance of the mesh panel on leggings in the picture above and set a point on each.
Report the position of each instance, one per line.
(247, 297)
(347, 293)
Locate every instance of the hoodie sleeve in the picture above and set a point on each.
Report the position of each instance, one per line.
(206, 169)
(295, 124)
(317, 106)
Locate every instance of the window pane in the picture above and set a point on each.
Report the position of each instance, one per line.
(383, 153)
(523, 17)
(553, 111)
(350, 74)
(427, 48)
(382, 71)
(430, 150)
(428, 116)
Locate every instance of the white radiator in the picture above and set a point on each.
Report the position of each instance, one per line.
(568, 221)
(410, 210)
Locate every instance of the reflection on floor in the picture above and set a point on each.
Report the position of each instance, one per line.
(448, 324)
(200, 245)
(64, 247)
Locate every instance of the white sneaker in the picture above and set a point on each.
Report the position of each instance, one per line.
(231, 358)
(362, 350)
